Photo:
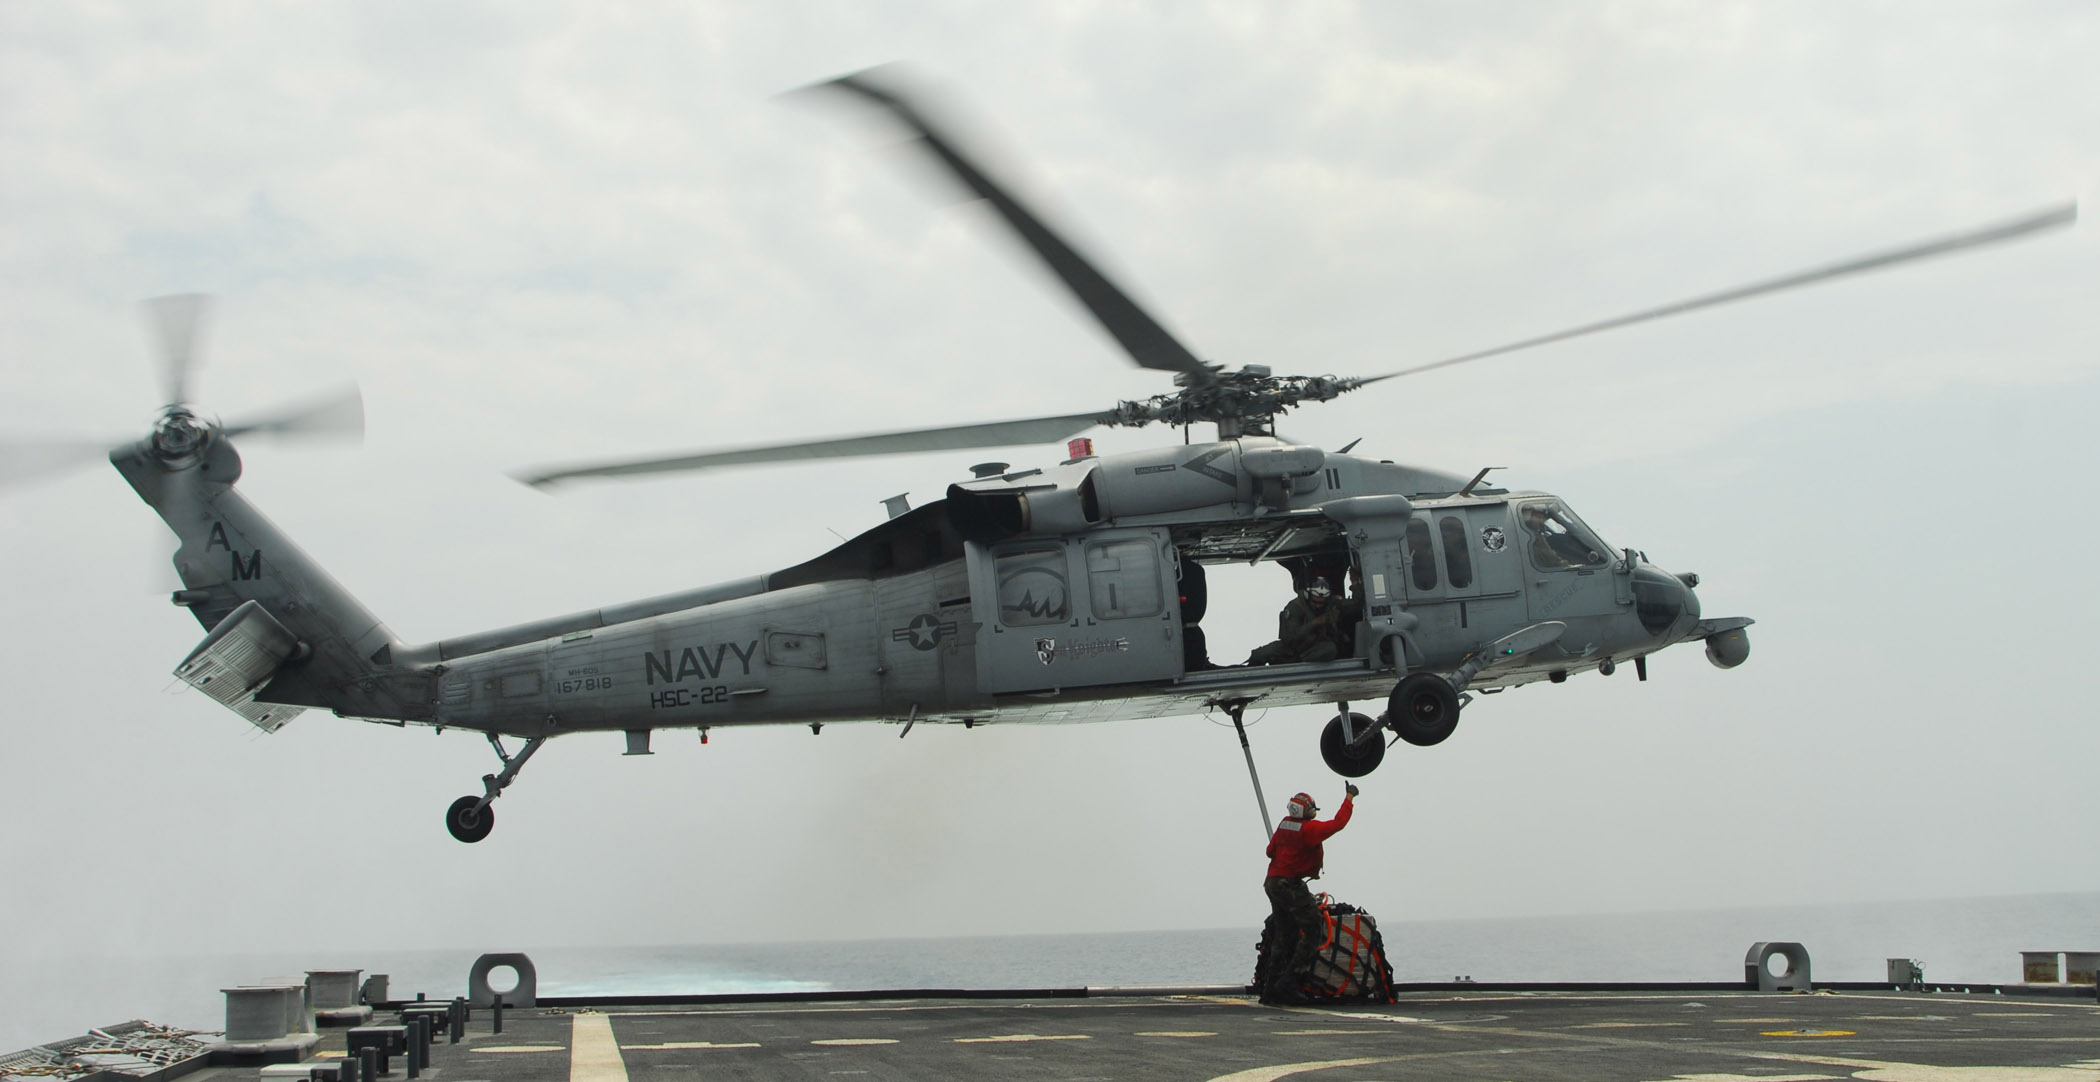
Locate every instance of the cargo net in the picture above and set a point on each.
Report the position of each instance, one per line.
(1349, 967)
(133, 1049)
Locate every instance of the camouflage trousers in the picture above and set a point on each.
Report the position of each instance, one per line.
(1292, 903)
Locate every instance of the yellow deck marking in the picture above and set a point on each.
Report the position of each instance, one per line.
(1271, 1074)
(506, 1048)
(1177, 1033)
(1015, 1038)
(594, 1054)
(852, 1041)
(681, 1045)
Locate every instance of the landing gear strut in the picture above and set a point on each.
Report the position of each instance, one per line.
(470, 818)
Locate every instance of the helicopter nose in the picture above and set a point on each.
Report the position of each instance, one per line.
(1664, 602)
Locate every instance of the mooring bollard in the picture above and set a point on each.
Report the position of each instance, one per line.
(264, 1012)
(414, 1052)
(496, 1012)
(368, 1064)
(427, 1033)
(458, 1018)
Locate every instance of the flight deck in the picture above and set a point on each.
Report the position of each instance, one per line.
(1635, 1034)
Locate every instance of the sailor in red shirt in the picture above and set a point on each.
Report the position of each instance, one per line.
(1295, 855)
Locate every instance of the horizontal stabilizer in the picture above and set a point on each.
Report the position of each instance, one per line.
(237, 658)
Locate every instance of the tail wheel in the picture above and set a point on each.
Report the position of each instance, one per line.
(1357, 759)
(469, 820)
(1423, 709)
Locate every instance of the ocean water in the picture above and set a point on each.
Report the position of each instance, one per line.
(1968, 939)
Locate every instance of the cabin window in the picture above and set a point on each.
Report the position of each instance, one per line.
(1032, 588)
(1421, 557)
(1458, 559)
(1123, 580)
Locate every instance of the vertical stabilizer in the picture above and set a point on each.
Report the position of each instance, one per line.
(281, 631)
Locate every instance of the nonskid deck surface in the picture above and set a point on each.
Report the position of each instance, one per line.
(1486, 1036)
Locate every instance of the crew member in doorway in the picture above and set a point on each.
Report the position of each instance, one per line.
(1306, 629)
(1295, 855)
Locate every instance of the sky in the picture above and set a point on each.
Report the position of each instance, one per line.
(538, 233)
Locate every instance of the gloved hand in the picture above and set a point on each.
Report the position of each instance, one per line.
(1350, 788)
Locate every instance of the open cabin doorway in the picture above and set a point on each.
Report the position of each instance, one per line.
(1239, 598)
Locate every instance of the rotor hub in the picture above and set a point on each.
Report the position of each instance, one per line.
(1247, 399)
(179, 434)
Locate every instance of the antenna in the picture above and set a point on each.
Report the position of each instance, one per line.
(1477, 478)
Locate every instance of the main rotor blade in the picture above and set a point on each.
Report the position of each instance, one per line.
(1141, 336)
(22, 461)
(947, 438)
(341, 413)
(1976, 238)
(177, 322)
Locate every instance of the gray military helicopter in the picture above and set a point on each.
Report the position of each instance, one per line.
(1071, 592)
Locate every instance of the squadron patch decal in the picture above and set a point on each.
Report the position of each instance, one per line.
(1492, 539)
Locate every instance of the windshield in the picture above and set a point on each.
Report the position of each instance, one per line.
(1557, 539)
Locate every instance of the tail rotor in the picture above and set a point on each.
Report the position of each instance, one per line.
(176, 326)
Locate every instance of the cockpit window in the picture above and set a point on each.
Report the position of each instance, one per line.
(1557, 539)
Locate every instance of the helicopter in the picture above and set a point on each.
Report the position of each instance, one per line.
(1065, 593)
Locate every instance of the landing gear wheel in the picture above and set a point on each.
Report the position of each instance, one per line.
(1423, 709)
(468, 823)
(1352, 760)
